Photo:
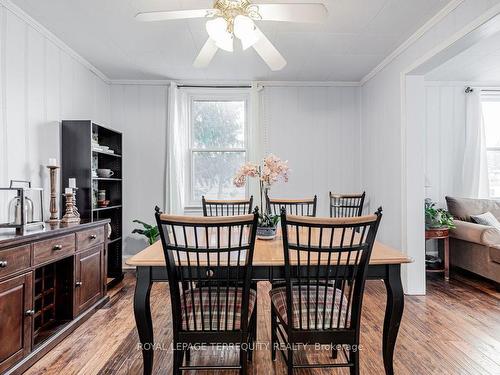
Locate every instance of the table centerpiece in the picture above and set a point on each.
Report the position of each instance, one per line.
(272, 170)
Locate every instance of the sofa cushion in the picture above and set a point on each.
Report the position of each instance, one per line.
(495, 253)
(477, 233)
(486, 219)
(463, 208)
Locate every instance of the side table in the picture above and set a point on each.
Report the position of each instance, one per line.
(442, 235)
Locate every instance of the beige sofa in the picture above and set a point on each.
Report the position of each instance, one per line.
(475, 247)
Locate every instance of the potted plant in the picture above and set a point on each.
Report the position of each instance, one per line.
(437, 218)
(150, 232)
(272, 170)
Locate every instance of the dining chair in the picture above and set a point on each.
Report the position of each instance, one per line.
(209, 266)
(302, 207)
(216, 207)
(326, 261)
(346, 205)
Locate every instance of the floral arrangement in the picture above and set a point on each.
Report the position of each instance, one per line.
(273, 170)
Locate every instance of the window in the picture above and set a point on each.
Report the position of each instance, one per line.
(491, 117)
(218, 146)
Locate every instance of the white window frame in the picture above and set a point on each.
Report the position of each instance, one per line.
(213, 95)
(491, 97)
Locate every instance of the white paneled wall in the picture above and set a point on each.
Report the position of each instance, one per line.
(318, 130)
(140, 112)
(40, 84)
(444, 140)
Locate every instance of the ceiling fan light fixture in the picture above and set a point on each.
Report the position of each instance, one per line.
(244, 29)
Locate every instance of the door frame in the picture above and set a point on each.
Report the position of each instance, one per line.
(413, 109)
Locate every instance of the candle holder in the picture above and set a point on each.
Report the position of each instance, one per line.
(75, 209)
(53, 207)
(69, 216)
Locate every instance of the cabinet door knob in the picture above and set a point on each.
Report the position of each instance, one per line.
(78, 283)
(3, 263)
(30, 312)
(57, 247)
(92, 236)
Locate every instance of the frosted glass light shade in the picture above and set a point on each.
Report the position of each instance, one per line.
(244, 29)
(217, 30)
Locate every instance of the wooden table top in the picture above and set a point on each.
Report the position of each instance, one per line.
(268, 253)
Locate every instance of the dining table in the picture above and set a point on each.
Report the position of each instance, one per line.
(269, 265)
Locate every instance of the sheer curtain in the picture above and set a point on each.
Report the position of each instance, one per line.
(255, 137)
(475, 181)
(177, 149)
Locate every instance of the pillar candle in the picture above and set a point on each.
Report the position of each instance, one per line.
(72, 183)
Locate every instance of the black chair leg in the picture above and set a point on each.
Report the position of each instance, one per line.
(354, 359)
(250, 340)
(335, 352)
(274, 338)
(243, 362)
(289, 359)
(178, 355)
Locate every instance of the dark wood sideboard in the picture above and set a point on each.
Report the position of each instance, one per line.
(51, 281)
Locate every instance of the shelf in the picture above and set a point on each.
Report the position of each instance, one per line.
(77, 149)
(106, 153)
(106, 179)
(107, 208)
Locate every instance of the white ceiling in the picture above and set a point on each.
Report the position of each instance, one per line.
(479, 63)
(356, 37)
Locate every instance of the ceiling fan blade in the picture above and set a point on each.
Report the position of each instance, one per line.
(174, 15)
(206, 54)
(268, 52)
(306, 13)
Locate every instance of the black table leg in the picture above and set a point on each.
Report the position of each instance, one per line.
(393, 314)
(142, 313)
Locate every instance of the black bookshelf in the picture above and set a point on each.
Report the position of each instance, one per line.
(79, 158)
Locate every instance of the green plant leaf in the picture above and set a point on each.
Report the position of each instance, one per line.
(146, 225)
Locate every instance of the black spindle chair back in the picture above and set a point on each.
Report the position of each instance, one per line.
(346, 205)
(209, 265)
(326, 261)
(216, 207)
(300, 207)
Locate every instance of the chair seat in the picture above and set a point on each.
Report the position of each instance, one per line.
(218, 317)
(304, 307)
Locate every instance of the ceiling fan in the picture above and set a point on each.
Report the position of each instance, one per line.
(235, 18)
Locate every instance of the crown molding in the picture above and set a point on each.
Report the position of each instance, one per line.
(146, 82)
(21, 14)
(438, 17)
(478, 84)
(309, 83)
(159, 82)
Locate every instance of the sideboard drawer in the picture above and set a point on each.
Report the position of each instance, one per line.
(54, 248)
(89, 238)
(14, 259)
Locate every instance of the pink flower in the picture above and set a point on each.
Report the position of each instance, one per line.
(246, 170)
(273, 170)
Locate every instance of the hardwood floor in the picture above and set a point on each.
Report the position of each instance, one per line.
(454, 329)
